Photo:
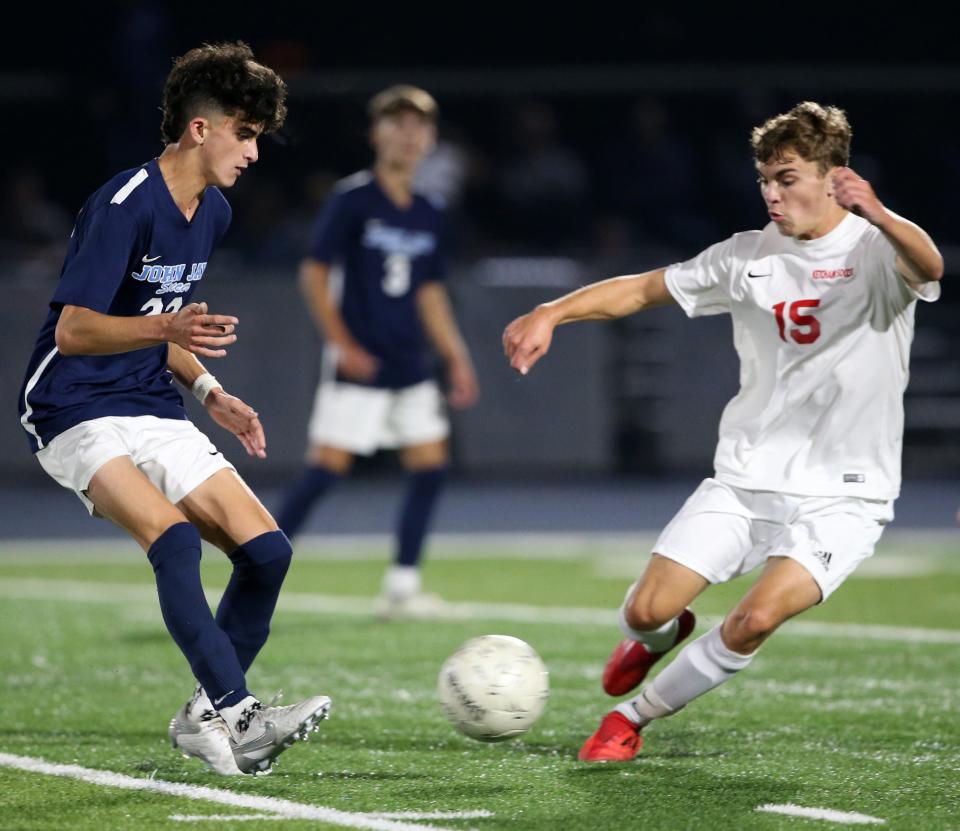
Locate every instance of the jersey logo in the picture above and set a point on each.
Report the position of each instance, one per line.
(147, 259)
(754, 276)
(854, 478)
(171, 278)
(390, 240)
(832, 273)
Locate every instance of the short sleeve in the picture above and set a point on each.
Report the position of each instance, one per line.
(701, 286)
(328, 242)
(93, 275)
(884, 262)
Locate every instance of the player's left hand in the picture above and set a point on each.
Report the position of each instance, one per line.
(463, 387)
(856, 194)
(240, 419)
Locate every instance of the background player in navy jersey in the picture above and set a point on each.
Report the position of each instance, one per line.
(105, 420)
(378, 246)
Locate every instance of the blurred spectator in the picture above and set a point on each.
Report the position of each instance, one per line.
(446, 168)
(651, 180)
(544, 186)
(35, 230)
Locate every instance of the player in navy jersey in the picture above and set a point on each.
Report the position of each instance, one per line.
(378, 246)
(105, 420)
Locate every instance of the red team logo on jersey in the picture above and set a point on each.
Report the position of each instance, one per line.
(832, 273)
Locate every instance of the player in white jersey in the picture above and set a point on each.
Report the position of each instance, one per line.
(808, 462)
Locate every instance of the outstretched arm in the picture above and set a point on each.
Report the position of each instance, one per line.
(528, 338)
(227, 410)
(82, 331)
(352, 359)
(441, 327)
(918, 259)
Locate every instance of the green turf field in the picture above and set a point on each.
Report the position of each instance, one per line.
(854, 707)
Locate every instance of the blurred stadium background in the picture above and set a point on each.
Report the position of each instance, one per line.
(571, 149)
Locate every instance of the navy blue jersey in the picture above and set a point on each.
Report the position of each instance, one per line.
(132, 252)
(386, 253)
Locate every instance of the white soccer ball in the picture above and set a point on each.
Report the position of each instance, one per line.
(493, 688)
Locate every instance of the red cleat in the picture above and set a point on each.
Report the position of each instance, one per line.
(631, 661)
(616, 740)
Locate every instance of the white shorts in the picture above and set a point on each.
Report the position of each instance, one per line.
(723, 531)
(363, 419)
(173, 454)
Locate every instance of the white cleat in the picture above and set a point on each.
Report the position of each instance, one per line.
(201, 732)
(418, 606)
(267, 731)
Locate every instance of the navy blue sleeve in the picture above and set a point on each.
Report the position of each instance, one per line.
(93, 274)
(328, 242)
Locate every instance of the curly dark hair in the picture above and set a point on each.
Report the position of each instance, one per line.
(224, 77)
(816, 133)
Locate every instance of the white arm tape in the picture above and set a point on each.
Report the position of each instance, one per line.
(202, 386)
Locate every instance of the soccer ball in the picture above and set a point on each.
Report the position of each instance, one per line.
(493, 688)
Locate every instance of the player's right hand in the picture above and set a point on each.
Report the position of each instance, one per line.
(527, 339)
(201, 333)
(355, 363)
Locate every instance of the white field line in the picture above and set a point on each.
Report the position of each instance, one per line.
(378, 815)
(828, 814)
(432, 814)
(571, 546)
(272, 805)
(320, 604)
(224, 817)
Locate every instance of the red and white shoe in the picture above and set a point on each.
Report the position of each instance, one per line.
(631, 660)
(617, 740)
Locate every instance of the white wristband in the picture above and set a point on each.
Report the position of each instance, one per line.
(202, 386)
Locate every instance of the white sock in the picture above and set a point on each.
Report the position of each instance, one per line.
(401, 581)
(202, 703)
(698, 668)
(656, 640)
(231, 715)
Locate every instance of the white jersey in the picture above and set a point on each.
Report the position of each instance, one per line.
(823, 330)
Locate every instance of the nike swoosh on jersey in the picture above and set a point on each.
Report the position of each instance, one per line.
(147, 259)
(754, 276)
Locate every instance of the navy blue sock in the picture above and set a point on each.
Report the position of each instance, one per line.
(423, 488)
(247, 605)
(310, 487)
(175, 557)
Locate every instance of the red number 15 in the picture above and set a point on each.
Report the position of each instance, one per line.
(807, 328)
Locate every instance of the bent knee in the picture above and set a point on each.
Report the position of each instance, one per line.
(645, 613)
(750, 626)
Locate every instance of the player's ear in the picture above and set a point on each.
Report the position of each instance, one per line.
(198, 128)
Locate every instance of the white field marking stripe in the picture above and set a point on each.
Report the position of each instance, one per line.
(844, 817)
(318, 604)
(224, 817)
(28, 410)
(374, 547)
(573, 546)
(431, 814)
(377, 815)
(270, 804)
